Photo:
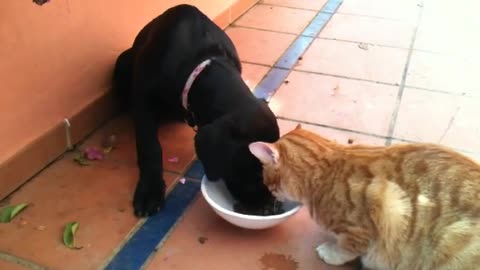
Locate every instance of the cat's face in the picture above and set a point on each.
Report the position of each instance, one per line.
(268, 155)
(276, 172)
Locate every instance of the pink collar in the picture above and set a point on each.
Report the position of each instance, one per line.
(190, 81)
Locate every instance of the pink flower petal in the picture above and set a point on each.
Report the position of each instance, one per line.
(173, 159)
(93, 153)
(182, 180)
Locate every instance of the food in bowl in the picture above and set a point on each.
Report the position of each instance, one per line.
(272, 207)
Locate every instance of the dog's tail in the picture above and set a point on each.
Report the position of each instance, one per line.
(122, 79)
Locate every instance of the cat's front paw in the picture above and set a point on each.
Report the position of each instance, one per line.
(332, 255)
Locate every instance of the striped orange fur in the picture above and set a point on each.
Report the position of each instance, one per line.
(402, 207)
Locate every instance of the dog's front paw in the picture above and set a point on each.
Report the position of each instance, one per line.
(332, 255)
(149, 198)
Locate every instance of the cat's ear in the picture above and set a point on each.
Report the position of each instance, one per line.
(267, 153)
(299, 126)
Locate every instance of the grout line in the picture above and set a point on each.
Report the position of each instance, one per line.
(272, 81)
(258, 64)
(346, 77)
(235, 25)
(328, 74)
(440, 53)
(286, 6)
(401, 89)
(239, 16)
(20, 261)
(368, 134)
(144, 241)
(332, 127)
(317, 37)
(374, 17)
(463, 94)
(142, 221)
(172, 172)
(357, 42)
(167, 235)
(122, 244)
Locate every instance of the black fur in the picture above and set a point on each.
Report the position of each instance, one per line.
(149, 78)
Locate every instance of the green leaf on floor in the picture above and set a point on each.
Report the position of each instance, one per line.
(81, 160)
(9, 212)
(69, 235)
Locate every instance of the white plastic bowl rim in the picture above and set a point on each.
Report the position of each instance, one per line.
(251, 217)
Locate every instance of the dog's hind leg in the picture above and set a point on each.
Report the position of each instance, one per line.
(122, 79)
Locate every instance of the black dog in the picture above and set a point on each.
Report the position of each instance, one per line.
(156, 72)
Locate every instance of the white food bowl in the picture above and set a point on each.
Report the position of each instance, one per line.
(221, 201)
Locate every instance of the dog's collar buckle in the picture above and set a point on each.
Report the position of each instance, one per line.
(190, 120)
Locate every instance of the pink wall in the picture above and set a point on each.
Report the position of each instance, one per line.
(56, 59)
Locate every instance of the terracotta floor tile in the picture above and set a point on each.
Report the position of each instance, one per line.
(276, 18)
(454, 35)
(354, 105)
(11, 266)
(176, 139)
(439, 118)
(229, 247)
(437, 39)
(239, 7)
(369, 30)
(63, 193)
(340, 136)
(392, 9)
(444, 72)
(253, 74)
(257, 46)
(304, 4)
(377, 63)
(177, 142)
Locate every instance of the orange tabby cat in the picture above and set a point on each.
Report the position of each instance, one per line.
(403, 207)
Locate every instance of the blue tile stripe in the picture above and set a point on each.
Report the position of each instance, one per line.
(196, 170)
(272, 81)
(277, 75)
(145, 240)
(317, 24)
(331, 6)
(290, 57)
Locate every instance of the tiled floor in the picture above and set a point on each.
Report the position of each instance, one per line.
(378, 72)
